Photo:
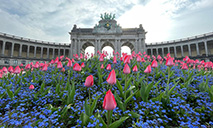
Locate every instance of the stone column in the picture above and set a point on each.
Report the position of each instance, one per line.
(175, 52)
(28, 51)
(119, 47)
(162, 52)
(35, 47)
(197, 49)
(151, 51)
(64, 51)
(139, 46)
(3, 48)
(41, 52)
(156, 51)
(12, 50)
(20, 50)
(48, 54)
(206, 48)
(168, 50)
(53, 52)
(189, 49)
(182, 50)
(59, 51)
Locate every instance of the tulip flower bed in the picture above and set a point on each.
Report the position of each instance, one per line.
(131, 91)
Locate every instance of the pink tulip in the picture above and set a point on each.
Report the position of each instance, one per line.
(101, 59)
(4, 69)
(27, 66)
(36, 65)
(10, 69)
(17, 70)
(69, 64)
(109, 101)
(135, 68)
(63, 70)
(21, 65)
(83, 65)
(59, 65)
(114, 60)
(127, 59)
(143, 60)
(126, 69)
(184, 66)
(154, 64)
(148, 69)
(31, 87)
(89, 81)
(56, 60)
(77, 67)
(138, 59)
(61, 57)
(108, 67)
(169, 61)
(102, 66)
(112, 77)
(44, 67)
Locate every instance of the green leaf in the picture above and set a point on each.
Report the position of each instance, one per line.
(134, 114)
(127, 84)
(170, 91)
(46, 91)
(72, 93)
(16, 92)
(2, 95)
(84, 118)
(10, 93)
(57, 88)
(102, 121)
(130, 97)
(120, 88)
(86, 108)
(42, 87)
(118, 122)
(94, 104)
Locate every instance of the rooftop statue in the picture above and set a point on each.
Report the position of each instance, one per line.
(107, 16)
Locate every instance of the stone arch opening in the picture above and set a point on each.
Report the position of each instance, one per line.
(129, 45)
(172, 51)
(160, 52)
(44, 53)
(210, 47)
(201, 48)
(185, 50)
(193, 50)
(1, 46)
(16, 50)
(24, 51)
(66, 52)
(31, 52)
(126, 49)
(178, 51)
(88, 48)
(8, 49)
(51, 53)
(38, 52)
(148, 51)
(109, 48)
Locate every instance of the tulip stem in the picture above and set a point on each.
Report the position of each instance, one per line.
(89, 102)
(168, 75)
(147, 78)
(108, 120)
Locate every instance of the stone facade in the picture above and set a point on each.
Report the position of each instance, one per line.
(107, 33)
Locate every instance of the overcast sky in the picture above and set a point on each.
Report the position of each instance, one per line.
(51, 20)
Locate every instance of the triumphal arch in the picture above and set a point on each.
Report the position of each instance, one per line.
(107, 33)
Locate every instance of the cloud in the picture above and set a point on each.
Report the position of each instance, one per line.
(51, 20)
